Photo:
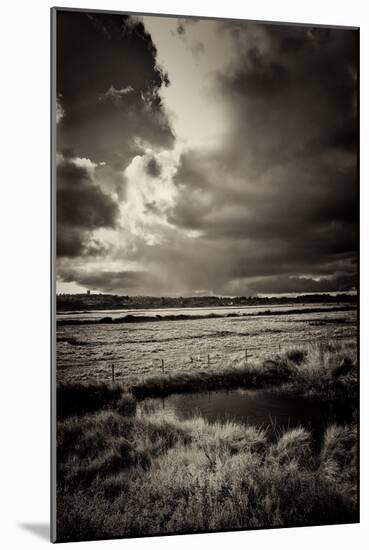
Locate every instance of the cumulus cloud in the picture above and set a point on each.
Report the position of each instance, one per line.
(106, 113)
(266, 204)
(81, 208)
(285, 181)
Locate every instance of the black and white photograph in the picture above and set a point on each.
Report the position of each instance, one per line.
(205, 208)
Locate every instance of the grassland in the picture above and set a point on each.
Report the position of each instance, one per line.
(325, 372)
(120, 474)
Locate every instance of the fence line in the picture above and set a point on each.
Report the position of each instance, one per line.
(205, 358)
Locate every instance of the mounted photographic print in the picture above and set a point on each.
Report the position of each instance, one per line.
(205, 275)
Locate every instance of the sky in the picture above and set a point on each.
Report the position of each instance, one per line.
(202, 157)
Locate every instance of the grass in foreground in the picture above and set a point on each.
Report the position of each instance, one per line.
(127, 476)
(123, 475)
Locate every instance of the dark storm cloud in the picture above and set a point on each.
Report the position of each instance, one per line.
(153, 168)
(80, 202)
(121, 282)
(73, 242)
(81, 207)
(292, 100)
(230, 266)
(287, 197)
(284, 183)
(108, 86)
(284, 285)
(263, 76)
(271, 209)
(70, 242)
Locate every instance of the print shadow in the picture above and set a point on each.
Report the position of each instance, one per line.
(42, 530)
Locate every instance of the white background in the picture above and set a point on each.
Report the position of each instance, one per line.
(24, 272)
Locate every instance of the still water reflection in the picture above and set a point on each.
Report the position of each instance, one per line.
(260, 408)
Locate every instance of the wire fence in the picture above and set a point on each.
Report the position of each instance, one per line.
(205, 360)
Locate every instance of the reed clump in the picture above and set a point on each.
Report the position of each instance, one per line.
(129, 476)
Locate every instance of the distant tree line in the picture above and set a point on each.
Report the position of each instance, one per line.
(86, 302)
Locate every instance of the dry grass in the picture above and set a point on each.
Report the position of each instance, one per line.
(124, 475)
(326, 372)
(128, 476)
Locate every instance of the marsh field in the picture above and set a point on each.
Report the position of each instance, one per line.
(212, 420)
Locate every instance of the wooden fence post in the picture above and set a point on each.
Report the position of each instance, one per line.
(208, 359)
(162, 365)
(112, 374)
(247, 355)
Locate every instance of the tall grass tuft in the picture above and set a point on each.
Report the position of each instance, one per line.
(146, 475)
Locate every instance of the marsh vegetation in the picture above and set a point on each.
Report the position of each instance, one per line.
(126, 474)
(85, 353)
